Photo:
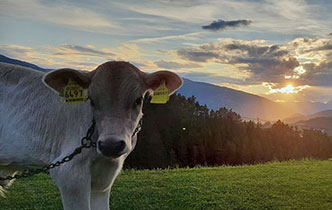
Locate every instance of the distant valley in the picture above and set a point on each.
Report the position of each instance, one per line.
(319, 121)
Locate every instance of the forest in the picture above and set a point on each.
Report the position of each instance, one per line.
(183, 133)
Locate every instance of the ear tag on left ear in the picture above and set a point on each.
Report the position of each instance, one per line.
(160, 95)
(73, 93)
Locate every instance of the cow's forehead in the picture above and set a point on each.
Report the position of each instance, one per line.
(116, 69)
(117, 78)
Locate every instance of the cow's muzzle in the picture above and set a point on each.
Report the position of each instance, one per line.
(113, 148)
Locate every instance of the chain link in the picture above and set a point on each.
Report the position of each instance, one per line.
(86, 142)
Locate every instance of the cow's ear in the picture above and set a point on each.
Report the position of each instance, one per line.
(171, 80)
(58, 79)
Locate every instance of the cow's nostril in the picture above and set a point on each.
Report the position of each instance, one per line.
(112, 148)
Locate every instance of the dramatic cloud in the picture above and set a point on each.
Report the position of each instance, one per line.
(289, 89)
(300, 62)
(196, 55)
(318, 75)
(222, 24)
(328, 46)
(263, 62)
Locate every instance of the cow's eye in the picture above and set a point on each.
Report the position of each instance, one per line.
(138, 102)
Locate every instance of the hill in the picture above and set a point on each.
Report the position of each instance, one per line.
(319, 123)
(278, 185)
(6, 59)
(301, 117)
(248, 105)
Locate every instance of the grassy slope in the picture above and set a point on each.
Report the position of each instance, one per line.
(287, 185)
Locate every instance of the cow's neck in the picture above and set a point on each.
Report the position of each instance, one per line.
(104, 171)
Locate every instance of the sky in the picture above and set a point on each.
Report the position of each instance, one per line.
(281, 50)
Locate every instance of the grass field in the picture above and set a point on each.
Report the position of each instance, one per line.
(287, 185)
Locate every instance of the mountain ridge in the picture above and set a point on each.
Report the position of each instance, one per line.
(248, 105)
(301, 117)
(323, 123)
(6, 59)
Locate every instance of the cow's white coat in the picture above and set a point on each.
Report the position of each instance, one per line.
(38, 128)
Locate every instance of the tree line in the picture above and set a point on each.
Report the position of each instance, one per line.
(184, 133)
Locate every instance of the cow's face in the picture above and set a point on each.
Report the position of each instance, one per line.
(115, 91)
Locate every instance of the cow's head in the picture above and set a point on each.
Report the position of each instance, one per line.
(115, 91)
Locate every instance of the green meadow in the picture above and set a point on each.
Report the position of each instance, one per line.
(303, 184)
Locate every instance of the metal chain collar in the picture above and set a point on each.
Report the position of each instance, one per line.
(86, 142)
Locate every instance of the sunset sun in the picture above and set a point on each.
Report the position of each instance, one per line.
(289, 89)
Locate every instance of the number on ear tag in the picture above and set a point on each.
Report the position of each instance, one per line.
(160, 95)
(73, 93)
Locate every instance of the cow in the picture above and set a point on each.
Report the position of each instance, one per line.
(38, 128)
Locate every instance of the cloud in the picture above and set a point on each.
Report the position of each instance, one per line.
(262, 62)
(283, 17)
(220, 25)
(289, 89)
(127, 51)
(301, 61)
(176, 10)
(327, 46)
(67, 49)
(196, 55)
(35, 56)
(176, 65)
(122, 52)
(188, 36)
(318, 75)
(16, 50)
(268, 69)
(74, 56)
(145, 65)
(60, 14)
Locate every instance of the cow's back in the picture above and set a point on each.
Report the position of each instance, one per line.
(12, 74)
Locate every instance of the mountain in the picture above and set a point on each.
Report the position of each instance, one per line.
(249, 106)
(294, 118)
(5, 59)
(318, 123)
(325, 113)
(300, 117)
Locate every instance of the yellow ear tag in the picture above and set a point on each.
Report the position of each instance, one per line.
(73, 93)
(160, 95)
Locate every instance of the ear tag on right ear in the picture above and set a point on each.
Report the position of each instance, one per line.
(160, 95)
(73, 93)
